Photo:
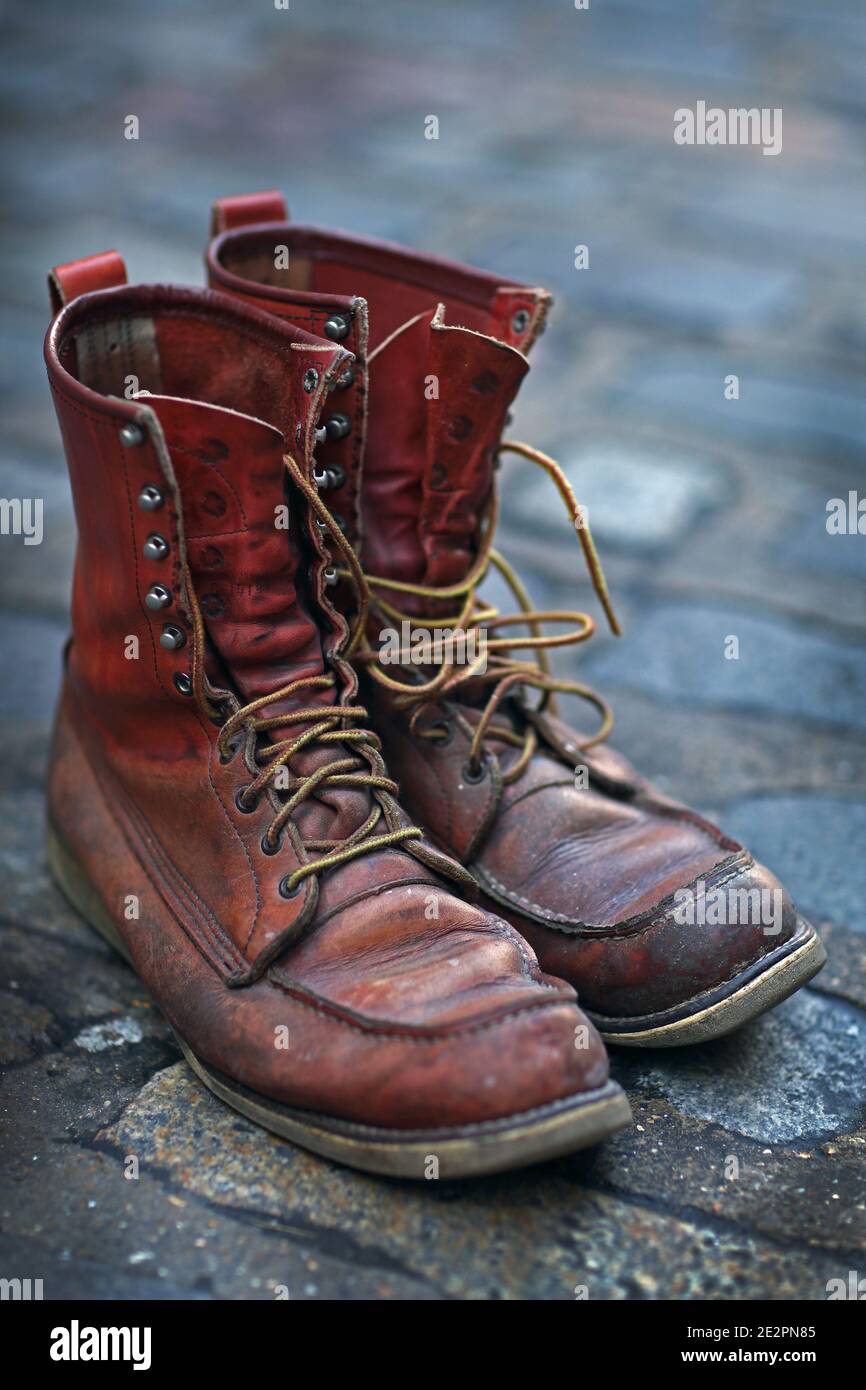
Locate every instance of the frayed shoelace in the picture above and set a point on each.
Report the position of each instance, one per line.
(326, 725)
(475, 616)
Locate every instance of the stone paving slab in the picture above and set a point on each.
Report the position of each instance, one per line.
(818, 844)
(513, 1236)
(109, 1235)
(711, 520)
(678, 652)
(810, 1194)
(844, 975)
(793, 1076)
(716, 756)
(30, 900)
(38, 577)
(693, 506)
(780, 410)
(34, 646)
(90, 1088)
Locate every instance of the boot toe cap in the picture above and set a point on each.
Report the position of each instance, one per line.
(703, 940)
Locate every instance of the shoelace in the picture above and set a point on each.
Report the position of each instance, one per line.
(328, 725)
(475, 616)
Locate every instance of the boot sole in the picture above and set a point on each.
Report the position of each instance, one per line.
(516, 1141)
(717, 1012)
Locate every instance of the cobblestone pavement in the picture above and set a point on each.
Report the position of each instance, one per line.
(555, 130)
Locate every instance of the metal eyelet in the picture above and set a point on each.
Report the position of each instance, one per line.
(156, 547)
(337, 328)
(311, 379)
(329, 574)
(219, 715)
(131, 435)
(345, 379)
(520, 321)
(182, 683)
(286, 892)
(243, 806)
(268, 848)
(338, 426)
(447, 732)
(320, 434)
(234, 748)
(150, 499)
(332, 476)
(172, 637)
(473, 777)
(157, 597)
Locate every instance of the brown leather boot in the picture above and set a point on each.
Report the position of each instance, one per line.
(217, 807)
(668, 928)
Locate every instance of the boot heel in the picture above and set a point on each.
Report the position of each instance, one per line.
(78, 890)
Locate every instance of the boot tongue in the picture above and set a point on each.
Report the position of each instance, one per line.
(243, 556)
(439, 396)
(246, 555)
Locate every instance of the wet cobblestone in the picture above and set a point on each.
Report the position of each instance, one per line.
(711, 516)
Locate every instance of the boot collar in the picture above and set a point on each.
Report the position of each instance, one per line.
(218, 359)
(367, 290)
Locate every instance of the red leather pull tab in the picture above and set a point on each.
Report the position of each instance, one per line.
(228, 213)
(100, 272)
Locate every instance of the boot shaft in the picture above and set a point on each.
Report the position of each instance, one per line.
(176, 407)
(177, 493)
(440, 353)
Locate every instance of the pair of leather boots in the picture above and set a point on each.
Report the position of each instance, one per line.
(366, 893)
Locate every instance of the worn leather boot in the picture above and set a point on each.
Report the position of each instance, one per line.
(217, 807)
(667, 927)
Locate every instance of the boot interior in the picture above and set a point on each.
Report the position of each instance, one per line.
(137, 342)
(395, 284)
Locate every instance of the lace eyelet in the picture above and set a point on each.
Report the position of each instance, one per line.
(246, 808)
(286, 892)
(268, 848)
(443, 738)
(473, 777)
(233, 750)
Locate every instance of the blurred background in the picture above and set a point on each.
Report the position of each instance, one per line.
(555, 131)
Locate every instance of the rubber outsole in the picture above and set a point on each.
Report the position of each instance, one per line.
(464, 1151)
(715, 1013)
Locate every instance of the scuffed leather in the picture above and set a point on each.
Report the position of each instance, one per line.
(438, 400)
(331, 272)
(404, 1005)
(587, 875)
